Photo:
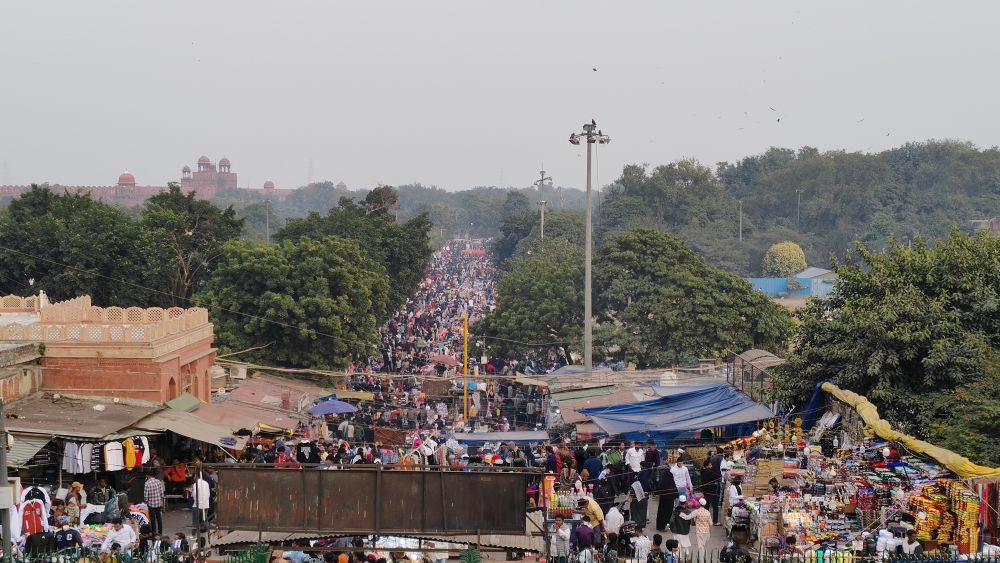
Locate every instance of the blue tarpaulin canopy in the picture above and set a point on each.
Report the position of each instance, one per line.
(679, 411)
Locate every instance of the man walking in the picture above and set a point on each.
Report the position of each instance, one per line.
(154, 494)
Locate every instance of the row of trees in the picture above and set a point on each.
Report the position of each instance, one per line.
(821, 201)
(313, 299)
(916, 329)
(657, 302)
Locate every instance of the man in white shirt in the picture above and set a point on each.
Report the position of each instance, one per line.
(633, 460)
(120, 537)
(682, 477)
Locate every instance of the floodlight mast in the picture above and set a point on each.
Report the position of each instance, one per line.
(592, 135)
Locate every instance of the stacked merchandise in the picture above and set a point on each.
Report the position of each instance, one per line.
(946, 512)
(966, 507)
(563, 506)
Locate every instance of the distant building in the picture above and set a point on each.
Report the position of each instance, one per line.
(208, 182)
(991, 225)
(152, 355)
(811, 282)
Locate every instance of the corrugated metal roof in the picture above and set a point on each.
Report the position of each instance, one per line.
(127, 433)
(525, 542)
(582, 393)
(239, 537)
(43, 415)
(185, 402)
(812, 272)
(25, 448)
(521, 542)
(189, 425)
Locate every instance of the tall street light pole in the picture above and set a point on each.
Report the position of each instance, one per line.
(591, 134)
(541, 202)
(741, 220)
(798, 204)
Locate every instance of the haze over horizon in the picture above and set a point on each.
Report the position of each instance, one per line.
(456, 94)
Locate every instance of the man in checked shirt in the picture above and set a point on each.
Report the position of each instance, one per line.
(153, 493)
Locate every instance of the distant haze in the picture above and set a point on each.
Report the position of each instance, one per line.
(459, 94)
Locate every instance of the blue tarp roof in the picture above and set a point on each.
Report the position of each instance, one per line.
(681, 410)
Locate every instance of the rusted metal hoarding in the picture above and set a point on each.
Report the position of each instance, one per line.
(371, 499)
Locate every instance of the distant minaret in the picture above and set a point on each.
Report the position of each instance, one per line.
(309, 173)
(5, 174)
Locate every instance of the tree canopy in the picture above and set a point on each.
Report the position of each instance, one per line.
(314, 303)
(189, 235)
(916, 330)
(784, 259)
(670, 308)
(539, 300)
(68, 244)
(403, 250)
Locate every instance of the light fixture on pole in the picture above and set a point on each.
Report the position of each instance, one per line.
(541, 202)
(591, 134)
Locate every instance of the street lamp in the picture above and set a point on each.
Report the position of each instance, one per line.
(541, 202)
(591, 134)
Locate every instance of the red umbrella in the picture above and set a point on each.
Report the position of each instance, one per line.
(446, 360)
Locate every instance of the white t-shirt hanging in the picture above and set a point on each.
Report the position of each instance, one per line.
(114, 457)
(86, 451)
(146, 453)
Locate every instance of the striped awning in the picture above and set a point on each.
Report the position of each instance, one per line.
(24, 448)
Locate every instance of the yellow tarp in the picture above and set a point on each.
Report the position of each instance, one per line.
(360, 395)
(959, 464)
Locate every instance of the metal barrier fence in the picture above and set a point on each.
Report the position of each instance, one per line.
(765, 557)
(256, 554)
(89, 555)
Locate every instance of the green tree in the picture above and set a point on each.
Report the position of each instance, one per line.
(913, 329)
(784, 259)
(539, 300)
(189, 235)
(516, 224)
(403, 250)
(69, 245)
(311, 304)
(671, 308)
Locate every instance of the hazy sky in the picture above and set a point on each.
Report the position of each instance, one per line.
(465, 93)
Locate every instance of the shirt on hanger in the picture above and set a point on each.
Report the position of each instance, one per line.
(128, 452)
(147, 452)
(96, 457)
(86, 453)
(71, 456)
(34, 517)
(114, 458)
